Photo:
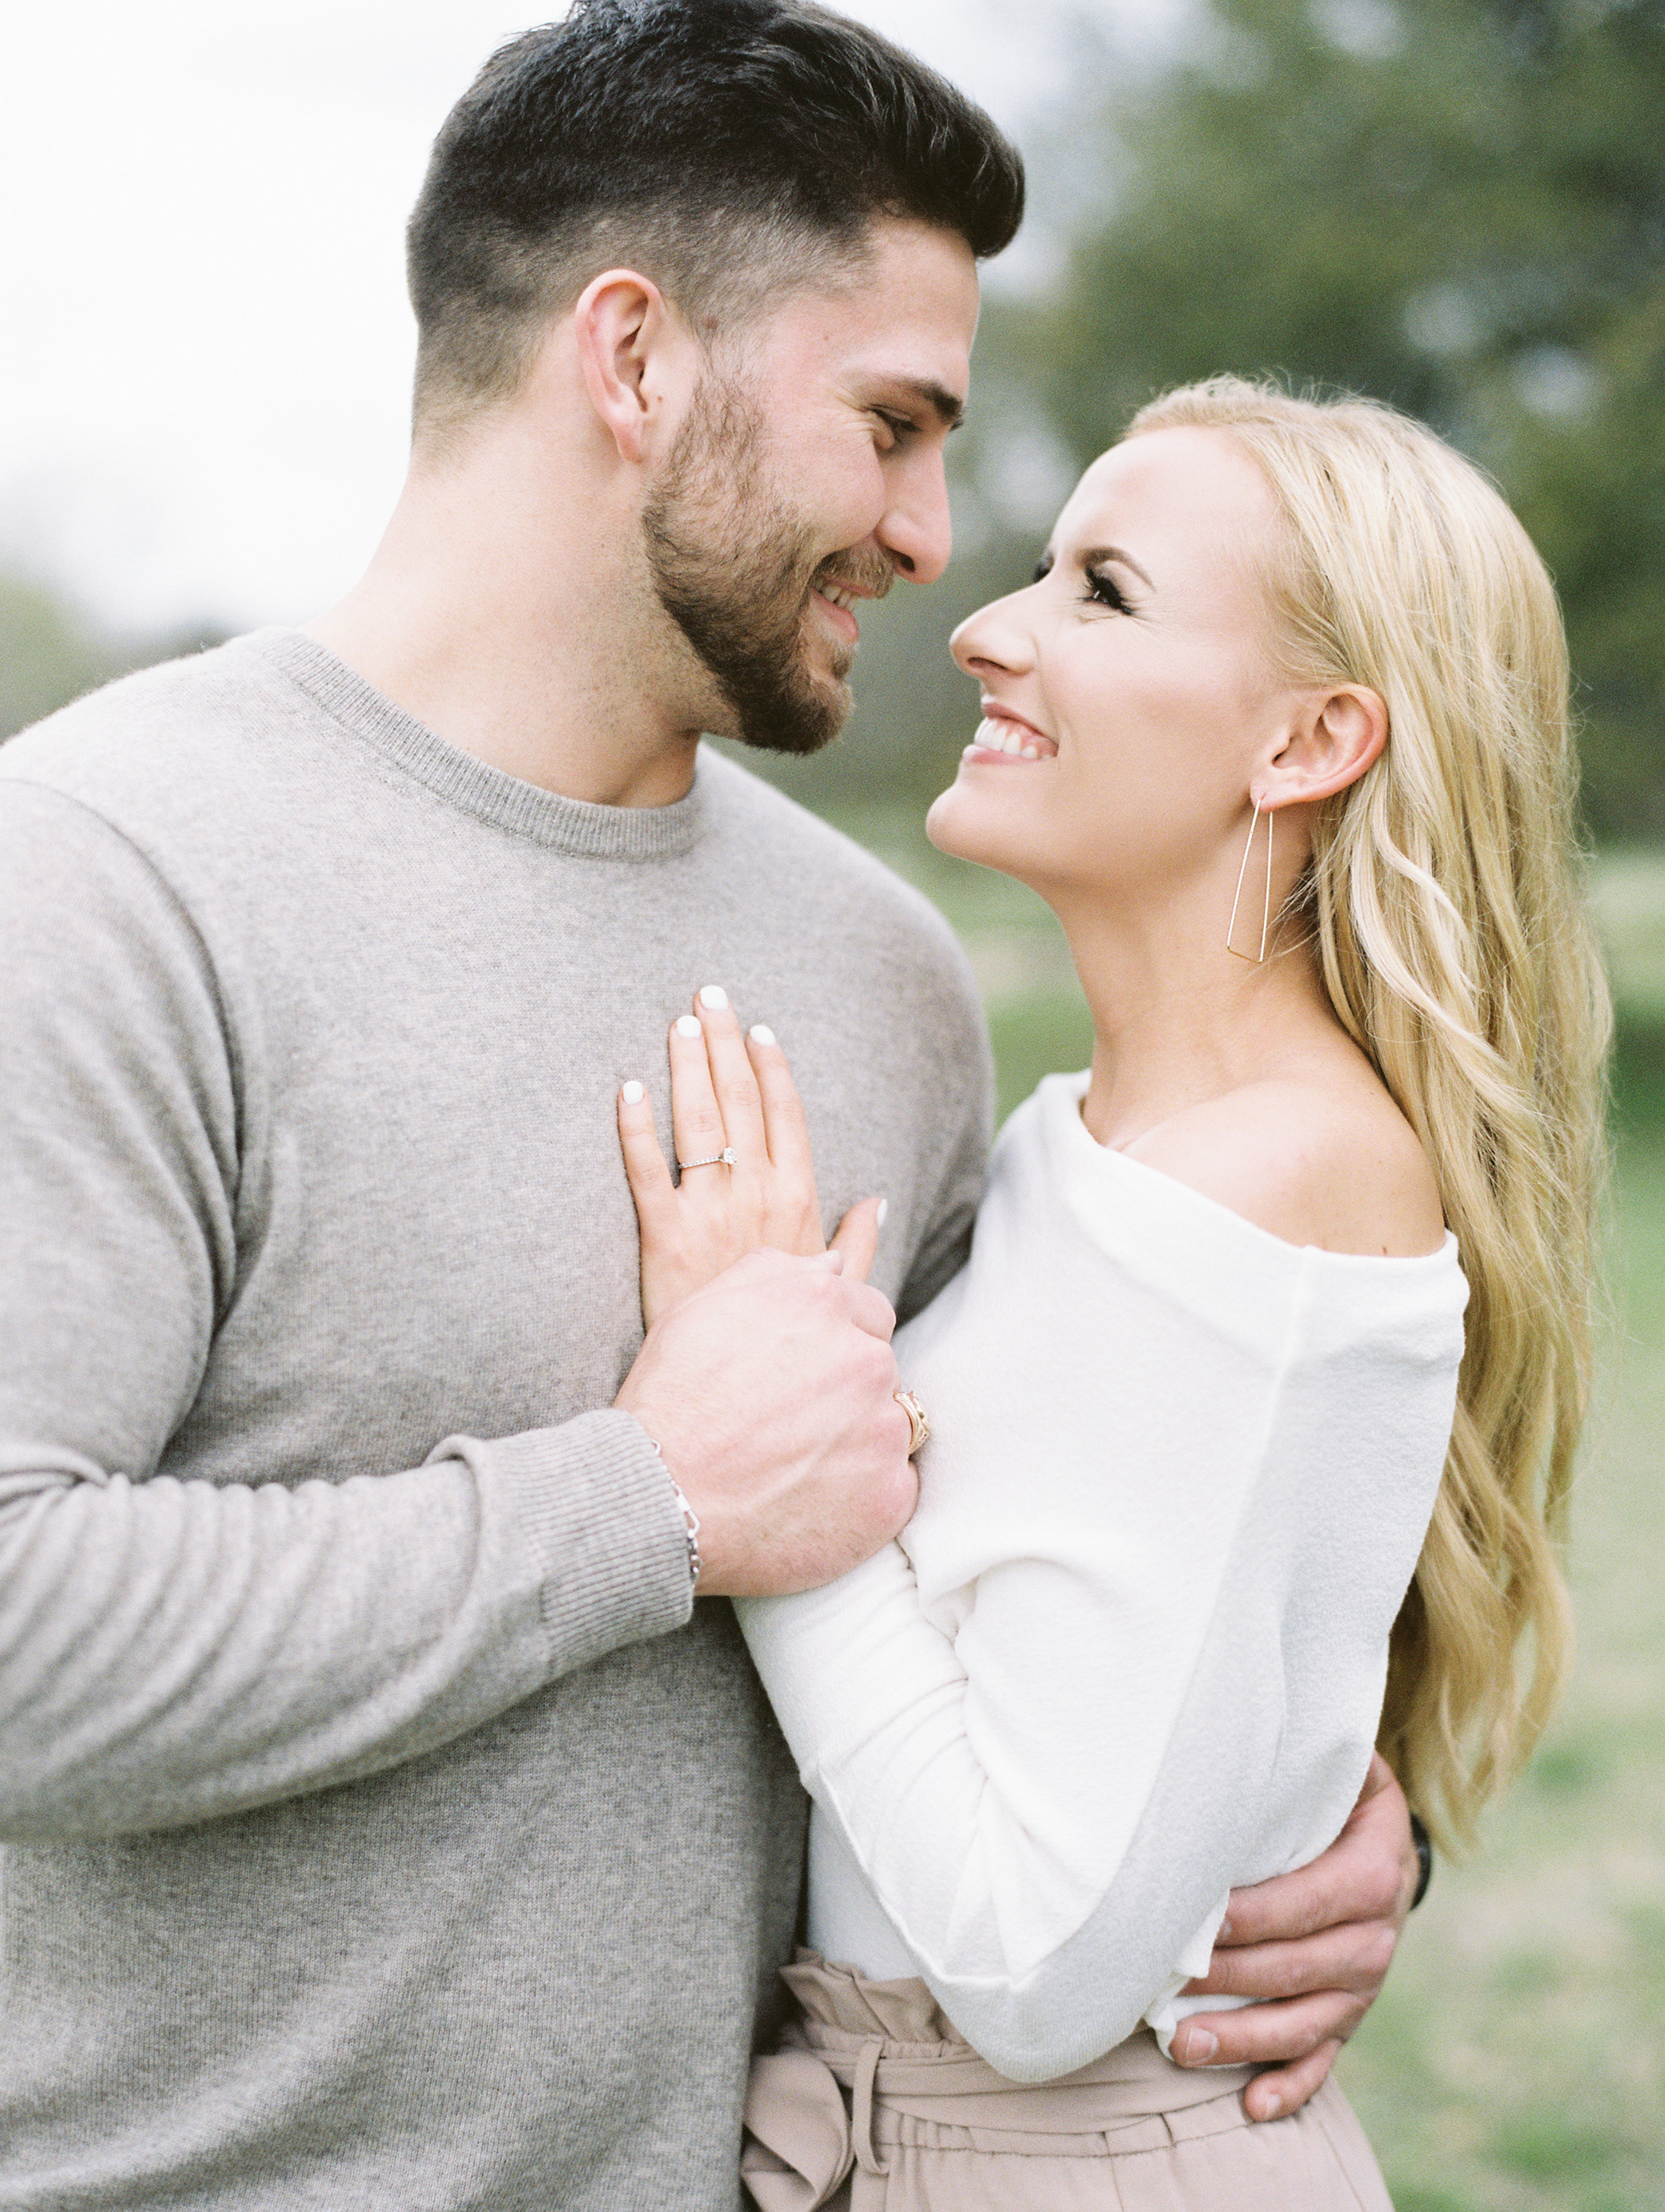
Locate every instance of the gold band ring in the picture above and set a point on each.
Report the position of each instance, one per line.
(918, 1429)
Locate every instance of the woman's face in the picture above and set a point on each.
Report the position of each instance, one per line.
(1130, 693)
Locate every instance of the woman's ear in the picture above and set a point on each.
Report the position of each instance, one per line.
(1334, 737)
(627, 348)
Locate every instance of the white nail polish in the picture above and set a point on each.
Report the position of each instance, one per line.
(714, 997)
(631, 1094)
(883, 1208)
(761, 1033)
(688, 1025)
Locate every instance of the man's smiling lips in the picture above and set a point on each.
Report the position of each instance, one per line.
(838, 603)
(1002, 736)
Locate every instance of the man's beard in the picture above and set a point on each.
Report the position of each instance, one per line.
(733, 569)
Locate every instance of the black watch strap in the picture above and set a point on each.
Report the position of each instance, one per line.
(1424, 1859)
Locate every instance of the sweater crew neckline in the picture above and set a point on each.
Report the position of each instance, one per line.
(526, 810)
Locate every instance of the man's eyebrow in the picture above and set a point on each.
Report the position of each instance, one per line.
(948, 410)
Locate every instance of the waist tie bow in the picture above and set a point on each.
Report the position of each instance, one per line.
(801, 2139)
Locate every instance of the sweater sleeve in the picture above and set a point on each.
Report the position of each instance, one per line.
(973, 1837)
(174, 1649)
(1146, 1662)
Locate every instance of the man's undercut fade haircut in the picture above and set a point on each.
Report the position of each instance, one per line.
(725, 149)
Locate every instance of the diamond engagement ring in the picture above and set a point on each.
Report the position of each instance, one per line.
(918, 1429)
(726, 1158)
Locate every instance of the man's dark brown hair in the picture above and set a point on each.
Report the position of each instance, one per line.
(726, 148)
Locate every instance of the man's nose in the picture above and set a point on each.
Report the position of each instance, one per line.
(916, 532)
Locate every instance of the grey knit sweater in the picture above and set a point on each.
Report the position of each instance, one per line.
(381, 1829)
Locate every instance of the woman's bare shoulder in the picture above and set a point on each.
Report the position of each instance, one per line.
(1330, 1162)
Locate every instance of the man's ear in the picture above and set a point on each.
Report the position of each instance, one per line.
(1334, 736)
(630, 345)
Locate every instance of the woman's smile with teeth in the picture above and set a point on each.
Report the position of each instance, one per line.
(1013, 737)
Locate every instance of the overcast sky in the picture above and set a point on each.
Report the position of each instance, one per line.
(203, 387)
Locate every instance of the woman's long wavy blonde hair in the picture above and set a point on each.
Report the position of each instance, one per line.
(1444, 895)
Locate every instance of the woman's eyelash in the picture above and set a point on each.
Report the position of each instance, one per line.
(1102, 588)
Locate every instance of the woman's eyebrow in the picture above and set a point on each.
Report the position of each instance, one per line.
(1115, 553)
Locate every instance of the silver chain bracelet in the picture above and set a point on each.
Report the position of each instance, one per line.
(691, 1522)
(690, 1519)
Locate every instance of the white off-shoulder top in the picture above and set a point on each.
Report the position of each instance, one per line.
(1130, 1651)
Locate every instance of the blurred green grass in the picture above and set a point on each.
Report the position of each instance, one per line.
(1516, 2058)
(1516, 2062)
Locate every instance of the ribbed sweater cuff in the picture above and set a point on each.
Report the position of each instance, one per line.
(606, 1530)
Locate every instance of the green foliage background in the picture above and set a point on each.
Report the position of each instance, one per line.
(50, 651)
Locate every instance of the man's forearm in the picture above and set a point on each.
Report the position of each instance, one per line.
(174, 1651)
(1313, 1948)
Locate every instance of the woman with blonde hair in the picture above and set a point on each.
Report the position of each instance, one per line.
(1255, 1406)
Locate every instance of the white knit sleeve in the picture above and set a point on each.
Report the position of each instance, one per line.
(991, 1783)
(1137, 1654)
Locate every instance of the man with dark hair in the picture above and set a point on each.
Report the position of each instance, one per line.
(737, 148)
(386, 1826)
(735, 153)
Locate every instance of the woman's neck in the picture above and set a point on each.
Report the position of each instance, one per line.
(1178, 1020)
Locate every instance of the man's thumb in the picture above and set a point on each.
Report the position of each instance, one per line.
(856, 1237)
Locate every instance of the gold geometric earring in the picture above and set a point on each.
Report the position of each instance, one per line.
(1256, 959)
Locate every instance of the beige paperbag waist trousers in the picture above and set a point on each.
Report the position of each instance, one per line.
(873, 2104)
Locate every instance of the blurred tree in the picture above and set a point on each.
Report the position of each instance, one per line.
(47, 655)
(1458, 205)
(50, 653)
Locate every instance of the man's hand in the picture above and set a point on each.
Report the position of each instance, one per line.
(770, 1392)
(1319, 1943)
